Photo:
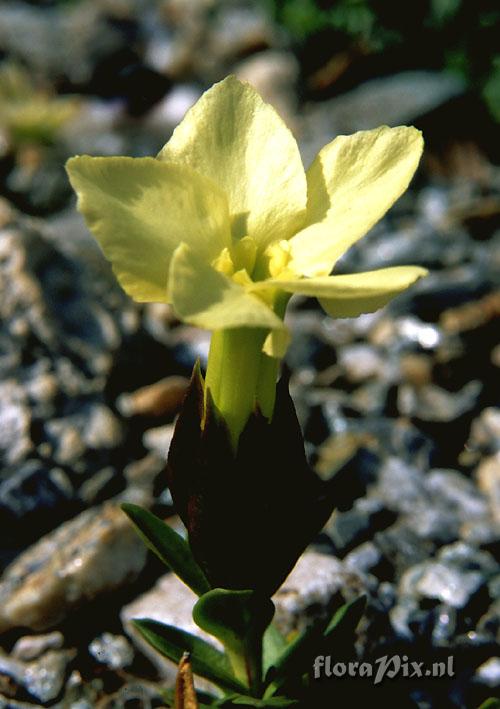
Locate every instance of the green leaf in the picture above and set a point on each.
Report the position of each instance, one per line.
(168, 546)
(297, 657)
(238, 619)
(346, 618)
(273, 646)
(206, 661)
(295, 660)
(233, 616)
(491, 703)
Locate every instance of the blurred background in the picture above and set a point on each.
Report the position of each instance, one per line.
(402, 403)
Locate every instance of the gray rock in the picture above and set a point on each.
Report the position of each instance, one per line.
(431, 403)
(114, 651)
(94, 426)
(65, 440)
(94, 489)
(400, 486)
(170, 602)
(100, 428)
(468, 558)
(361, 362)
(33, 498)
(489, 673)
(403, 616)
(29, 647)
(445, 624)
(157, 440)
(392, 100)
(308, 592)
(43, 678)
(458, 493)
(485, 430)
(363, 558)
(143, 473)
(56, 40)
(433, 522)
(488, 477)
(402, 547)
(310, 589)
(96, 552)
(349, 529)
(15, 441)
(443, 582)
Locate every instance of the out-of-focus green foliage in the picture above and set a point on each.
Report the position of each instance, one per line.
(460, 36)
(28, 114)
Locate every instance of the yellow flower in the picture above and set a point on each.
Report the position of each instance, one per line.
(225, 224)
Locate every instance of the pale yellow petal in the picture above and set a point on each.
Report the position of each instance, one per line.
(351, 184)
(140, 209)
(206, 298)
(276, 343)
(231, 136)
(353, 294)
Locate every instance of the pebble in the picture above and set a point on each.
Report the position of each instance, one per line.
(163, 398)
(391, 100)
(400, 486)
(308, 592)
(99, 427)
(15, 440)
(170, 602)
(361, 362)
(467, 558)
(93, 489)
(433, 522)
(432, 403)
(485, 430)
(443, 582)
(349, 529)
(488, 477)
(96, 552)
(33, 498)
(42, 678)
(30, 647)
(401, 547)
(364, 558)
(114, 651)
(143, 473)
(157, 440)
(458, 493)
(489, 673)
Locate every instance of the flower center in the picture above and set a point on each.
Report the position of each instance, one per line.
(238, 260)
(241, 263)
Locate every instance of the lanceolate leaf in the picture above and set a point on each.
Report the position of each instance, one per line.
(346, 618)
(169, 546)
(233, 616)
(206, 661)
(273, 646)
(295, 660)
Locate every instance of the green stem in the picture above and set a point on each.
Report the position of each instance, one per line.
(247, 664)
(240, 375)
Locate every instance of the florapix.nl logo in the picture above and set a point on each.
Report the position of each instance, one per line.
(388, 666)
